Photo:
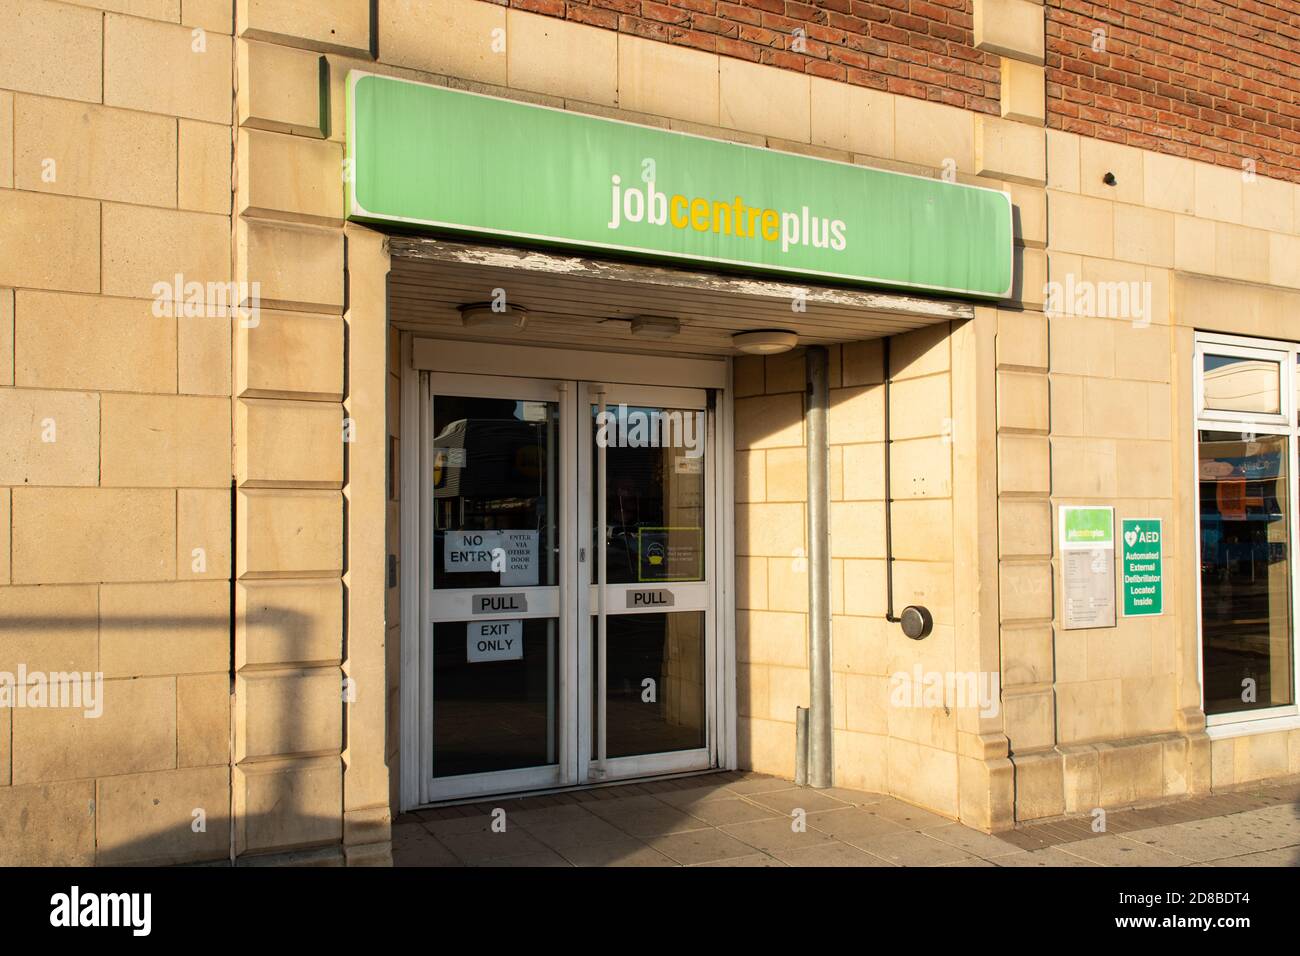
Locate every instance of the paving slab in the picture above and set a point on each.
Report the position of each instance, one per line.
(1288, 857)
(420, 848)
(777, 834)
(760, 784)
(1183, 840)
(973, 842)
(1048, 856)
(481, 846)
(744, 819)
(700, 846)
(758, 859)
(548, 858)
(908, 816)
(853, 825)
(830, 854)
(625, 852)
(1253, 834)
(1119, 850)
(913, 848)
(722, 812)
(478, 823)
(550, 816)
(569, 833)
(654, 821)
(803, 798)
(689, 797)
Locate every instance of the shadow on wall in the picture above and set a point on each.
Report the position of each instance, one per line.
(149, 780)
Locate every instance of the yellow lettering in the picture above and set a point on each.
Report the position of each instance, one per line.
(678, 214)
(700, 215)
(722, 217)
(771, 225)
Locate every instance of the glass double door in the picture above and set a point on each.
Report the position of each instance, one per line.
(570, 630)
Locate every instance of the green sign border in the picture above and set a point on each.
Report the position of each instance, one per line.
(1160, 565)
(355, 211)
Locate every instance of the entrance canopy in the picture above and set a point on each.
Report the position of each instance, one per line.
(574, 300)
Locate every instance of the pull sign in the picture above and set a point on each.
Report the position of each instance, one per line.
(500, 603)
(653, 597)
(494, 641)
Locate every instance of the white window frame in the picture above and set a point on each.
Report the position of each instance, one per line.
(1249, 349)
(1287, 354)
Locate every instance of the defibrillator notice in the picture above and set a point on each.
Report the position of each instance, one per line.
(1143, 584)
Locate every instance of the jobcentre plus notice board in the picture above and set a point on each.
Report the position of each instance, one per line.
(1087, 566)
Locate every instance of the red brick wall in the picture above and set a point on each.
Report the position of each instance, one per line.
(920, 48)
(1214, 80)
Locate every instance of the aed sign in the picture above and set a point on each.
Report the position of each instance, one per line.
(494, 641)
(1143, 583)
(465, 163)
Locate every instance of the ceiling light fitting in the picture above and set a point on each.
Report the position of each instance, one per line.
(765, 342)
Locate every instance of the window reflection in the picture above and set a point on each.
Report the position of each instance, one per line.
(494, 700)
(654, 693)
(1236, 384)
(495, 469)
(1245, 571)
(654, 494)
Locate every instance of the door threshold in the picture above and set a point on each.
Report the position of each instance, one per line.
(573, 788)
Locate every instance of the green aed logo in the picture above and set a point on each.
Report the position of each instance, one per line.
(1134, 536)
(1142, 564)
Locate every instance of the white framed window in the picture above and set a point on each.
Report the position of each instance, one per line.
(1246, 452)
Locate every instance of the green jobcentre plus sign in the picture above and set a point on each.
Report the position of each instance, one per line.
(467, 164)
(1144, 587)
(1086, 527)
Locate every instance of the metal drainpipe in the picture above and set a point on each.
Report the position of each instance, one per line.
(819, 577)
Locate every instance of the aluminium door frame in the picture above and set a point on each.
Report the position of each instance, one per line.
(454, 604)
(704, 595)
(421, 354)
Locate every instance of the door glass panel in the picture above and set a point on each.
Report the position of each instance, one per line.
(654, 493)
(495, 493)
(494, 695)
(654, 684)
(1235, 383)
(1245, 571)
